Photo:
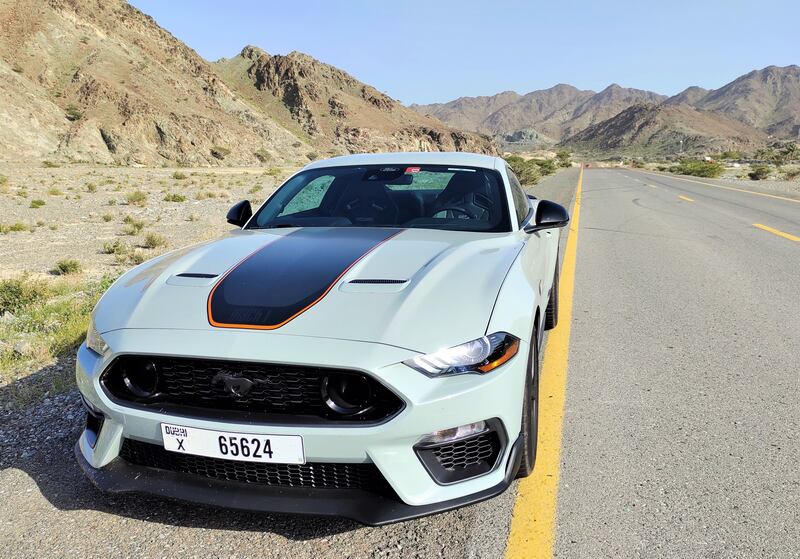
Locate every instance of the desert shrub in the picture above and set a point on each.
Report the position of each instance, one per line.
(17, 68)
(116, 247)
(759, 172)
(637, 164)
(296, 144)
(153, 240)
(262, 155)
(312, 155)
(108, 217)
(91, 188)
(137, 198)
(178, 176)
(50, 164)
(791, 174)
(20, 293)
(546, 166)
(255, 189)
(191, 217)
(564, 158)
(137, 256)
(730, 154)
(132, 225)
(37, 203)
(174, 197)
(527, 171)
(219, 152)
(3, 180)
(696, 168)
(67, 266)
(54, 191)
(73, 113)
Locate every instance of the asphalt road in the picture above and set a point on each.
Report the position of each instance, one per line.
(682, 415)
(680, 432)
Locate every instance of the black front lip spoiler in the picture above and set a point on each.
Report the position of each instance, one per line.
(362, 506)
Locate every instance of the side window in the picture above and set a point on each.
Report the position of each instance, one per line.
(521, 204)
(310, 197)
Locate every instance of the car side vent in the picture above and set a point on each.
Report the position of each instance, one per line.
(196, 275)
(379, 281)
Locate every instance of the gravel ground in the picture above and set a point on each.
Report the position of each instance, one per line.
(85, 208)
(50, 510)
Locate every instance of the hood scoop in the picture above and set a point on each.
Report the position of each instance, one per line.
(373, 285)
(192, 279)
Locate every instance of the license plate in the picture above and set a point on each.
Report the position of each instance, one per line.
(244, 447)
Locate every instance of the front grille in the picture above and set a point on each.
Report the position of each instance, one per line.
(274, 393)
(311, 475)
(462, 454)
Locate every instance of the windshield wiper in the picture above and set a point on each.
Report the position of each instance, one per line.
(276, 226)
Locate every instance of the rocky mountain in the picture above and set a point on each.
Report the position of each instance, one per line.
(99, 81)
(548, 114)
(688, 96)
(334, 110)
(767, 99)
(667, 129)
(739, 113)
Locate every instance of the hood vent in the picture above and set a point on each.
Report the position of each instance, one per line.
(379, 281)
(376, 285)
(191, 279)
(196, 275)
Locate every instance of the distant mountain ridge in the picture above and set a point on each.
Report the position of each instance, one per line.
(758, 107)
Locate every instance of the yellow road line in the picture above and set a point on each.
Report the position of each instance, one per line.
(533, 524)
(774, 232)
(685, 198)
(728, 188)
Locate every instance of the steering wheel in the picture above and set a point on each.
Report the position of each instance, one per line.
(456, 209)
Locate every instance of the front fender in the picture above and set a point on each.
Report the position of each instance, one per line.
(517, 303)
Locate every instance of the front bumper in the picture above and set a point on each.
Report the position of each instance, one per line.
(362, 506)
(430, 405)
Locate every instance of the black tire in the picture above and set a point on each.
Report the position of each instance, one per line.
(551, 313)
(530, 411)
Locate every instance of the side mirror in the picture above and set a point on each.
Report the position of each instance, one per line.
(549, 215)
(240, 213)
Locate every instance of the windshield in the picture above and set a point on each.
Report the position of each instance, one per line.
(408, 196)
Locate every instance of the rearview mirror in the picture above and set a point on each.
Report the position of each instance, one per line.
(240, 213)
(549, 215)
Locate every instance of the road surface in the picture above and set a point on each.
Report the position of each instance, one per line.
(672, 411)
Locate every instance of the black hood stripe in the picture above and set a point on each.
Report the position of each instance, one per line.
(285, 278)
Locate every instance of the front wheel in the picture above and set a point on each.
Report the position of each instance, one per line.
(530, 411)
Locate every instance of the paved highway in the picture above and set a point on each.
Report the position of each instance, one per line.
(670, 410)
(682, 413)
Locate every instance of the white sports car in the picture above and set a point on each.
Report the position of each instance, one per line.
(365, 345)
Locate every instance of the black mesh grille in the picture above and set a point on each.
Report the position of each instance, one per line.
(463, 454)
(215, 388)
(312, 475)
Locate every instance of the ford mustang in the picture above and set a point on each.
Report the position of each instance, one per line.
(366, 345)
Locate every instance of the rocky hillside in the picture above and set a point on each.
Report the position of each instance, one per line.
(333, 110)
(99, 81)
(549, 114)
(767, 99)
(651, 129)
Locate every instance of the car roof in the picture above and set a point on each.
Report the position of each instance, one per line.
(411, 157)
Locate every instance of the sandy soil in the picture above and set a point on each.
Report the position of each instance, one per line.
(85, 208)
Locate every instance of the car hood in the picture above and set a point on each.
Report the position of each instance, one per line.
(418, 289)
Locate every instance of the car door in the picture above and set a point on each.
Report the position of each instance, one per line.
(540, 248)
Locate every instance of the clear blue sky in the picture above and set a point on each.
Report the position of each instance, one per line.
(437, 50)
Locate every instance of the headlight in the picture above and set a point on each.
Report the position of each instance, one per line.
(94, 340)
(478, 356)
